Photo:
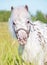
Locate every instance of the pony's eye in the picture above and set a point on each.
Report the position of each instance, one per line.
(28, 21)
(14, 23)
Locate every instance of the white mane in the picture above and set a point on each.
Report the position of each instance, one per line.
(36, 48)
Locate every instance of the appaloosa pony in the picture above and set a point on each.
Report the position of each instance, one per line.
(32, 37)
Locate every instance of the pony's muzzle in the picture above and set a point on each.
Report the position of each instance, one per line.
(22, 36)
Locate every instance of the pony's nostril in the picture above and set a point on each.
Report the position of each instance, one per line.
(24, 38)
(19, 39)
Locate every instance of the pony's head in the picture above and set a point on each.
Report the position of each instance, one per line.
(20, 23)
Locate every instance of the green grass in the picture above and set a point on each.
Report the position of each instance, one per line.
(9, 48)
(4, 15)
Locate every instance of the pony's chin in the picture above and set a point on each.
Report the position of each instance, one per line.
(22, 42)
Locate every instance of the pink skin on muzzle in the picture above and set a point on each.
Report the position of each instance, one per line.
(22, 37)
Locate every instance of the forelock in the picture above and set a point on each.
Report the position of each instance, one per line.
(20, 12)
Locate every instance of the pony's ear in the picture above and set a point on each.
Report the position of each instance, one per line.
(12, 8)
(26, 7)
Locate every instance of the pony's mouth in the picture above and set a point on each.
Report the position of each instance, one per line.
(22, 41)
